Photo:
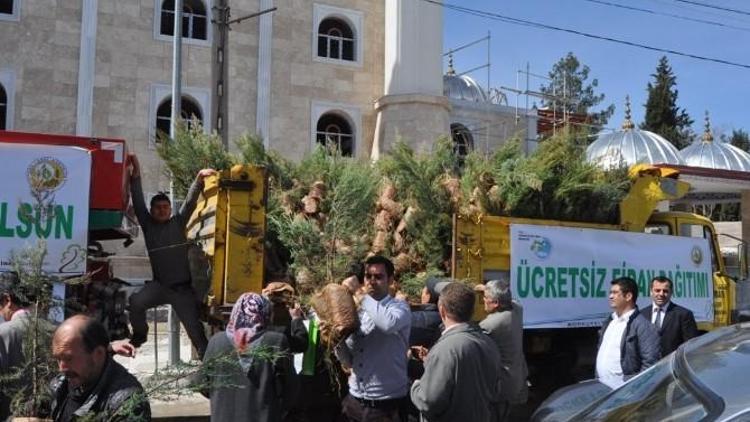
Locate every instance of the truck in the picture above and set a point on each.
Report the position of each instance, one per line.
(560, 271)
(68, 195)
(73, 194)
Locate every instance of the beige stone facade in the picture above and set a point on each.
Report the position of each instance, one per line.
(41, 51)
(47, 65)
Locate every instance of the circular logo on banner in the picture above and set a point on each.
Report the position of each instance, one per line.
(46, 174)
(696, 255)
(541, 247)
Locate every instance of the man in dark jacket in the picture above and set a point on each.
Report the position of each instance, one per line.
(425, 320)
(461, 381)
(628, 343)
(674, 323)
(91, 383)
(168, 252)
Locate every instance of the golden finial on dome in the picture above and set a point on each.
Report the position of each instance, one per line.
(707, 135)
(451, 70)
(627, 124)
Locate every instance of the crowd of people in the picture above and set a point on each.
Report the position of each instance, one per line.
(403, 363)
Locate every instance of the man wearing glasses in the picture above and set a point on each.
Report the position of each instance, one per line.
(376, 352)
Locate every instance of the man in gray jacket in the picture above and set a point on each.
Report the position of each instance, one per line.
(14, 313)
(504, 324)
(628, 342)
(168, 252)
(461, 381)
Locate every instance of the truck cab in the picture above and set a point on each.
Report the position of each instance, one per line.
(692, 225)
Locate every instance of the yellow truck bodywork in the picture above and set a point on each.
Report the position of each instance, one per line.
(229, 224)
(481, 244)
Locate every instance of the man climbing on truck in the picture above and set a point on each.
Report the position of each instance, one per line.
(168, 252)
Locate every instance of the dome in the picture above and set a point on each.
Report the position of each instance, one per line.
(631, 146)
(715, 155)
(462, 87)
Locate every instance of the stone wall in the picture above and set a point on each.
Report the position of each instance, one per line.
(41, 51)
(491, 124)
(298, 80)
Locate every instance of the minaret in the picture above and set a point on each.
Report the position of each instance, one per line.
(413, 108)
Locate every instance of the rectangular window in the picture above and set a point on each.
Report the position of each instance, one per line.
(348, 53)
(167, 22)
(657, 229)
(199, 27)
(6, 7)
(698, 230)
(322, 46)
(335, 47)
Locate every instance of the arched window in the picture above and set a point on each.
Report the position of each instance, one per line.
(463, 141)
(334, 131)
(191, 112)
(3, 108)
(194, 19)
(336, 40)
(6, 7)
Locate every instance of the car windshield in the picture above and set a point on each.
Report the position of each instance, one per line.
(653, 395)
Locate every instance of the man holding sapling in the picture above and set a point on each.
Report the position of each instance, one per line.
(168, 252)
(376, 352)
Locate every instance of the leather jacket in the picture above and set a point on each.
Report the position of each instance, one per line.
(117, 396)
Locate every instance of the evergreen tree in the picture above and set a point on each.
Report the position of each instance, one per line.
(663, 117)
(740, 139)
(572, 91)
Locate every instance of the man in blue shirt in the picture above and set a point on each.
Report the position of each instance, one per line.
(376, 352)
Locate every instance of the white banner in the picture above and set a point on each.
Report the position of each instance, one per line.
(45, 196)
(562, 275)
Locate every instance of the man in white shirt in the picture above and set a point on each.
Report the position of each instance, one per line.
(376, 352)
(628, 342)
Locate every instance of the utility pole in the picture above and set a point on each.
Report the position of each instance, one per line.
(219, 68)
(173, 320)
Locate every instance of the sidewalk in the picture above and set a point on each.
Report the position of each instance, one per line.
(189, 408)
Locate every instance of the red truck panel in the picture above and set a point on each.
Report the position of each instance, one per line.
(109, 176)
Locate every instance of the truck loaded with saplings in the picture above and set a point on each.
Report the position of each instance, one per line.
(504, 214)
(560, 271)
(558, 228)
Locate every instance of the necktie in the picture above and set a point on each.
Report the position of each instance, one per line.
(659, 317)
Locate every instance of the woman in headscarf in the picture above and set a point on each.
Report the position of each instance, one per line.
(257, 387)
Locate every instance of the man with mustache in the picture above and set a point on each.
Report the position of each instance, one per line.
(91, 383)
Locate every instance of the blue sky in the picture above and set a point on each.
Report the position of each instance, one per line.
(722, 90)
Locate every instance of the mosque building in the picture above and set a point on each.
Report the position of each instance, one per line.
(360, 74)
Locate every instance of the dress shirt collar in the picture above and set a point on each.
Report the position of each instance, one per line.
(664, 307)
(623, 317)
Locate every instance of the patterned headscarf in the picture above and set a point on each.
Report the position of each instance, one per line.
(250, 317)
